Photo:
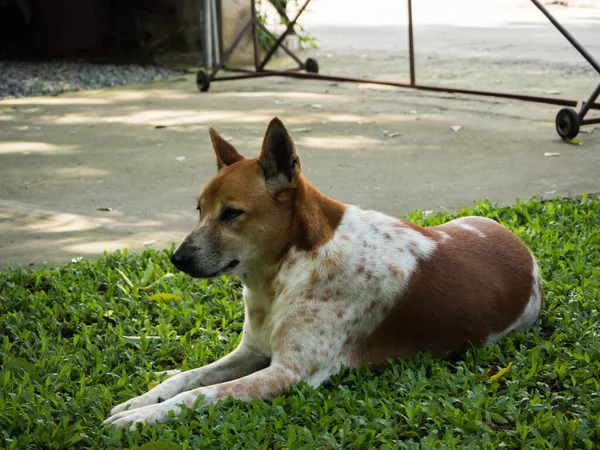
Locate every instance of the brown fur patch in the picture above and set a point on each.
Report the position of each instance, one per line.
(316, 216)
(468, 288)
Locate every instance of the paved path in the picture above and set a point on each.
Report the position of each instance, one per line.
(144, 152)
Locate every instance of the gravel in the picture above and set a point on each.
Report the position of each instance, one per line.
(29, 79)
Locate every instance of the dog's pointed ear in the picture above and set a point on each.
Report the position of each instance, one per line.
(225, 152)
(278, 158)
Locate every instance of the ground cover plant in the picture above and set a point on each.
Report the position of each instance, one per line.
(80, 338)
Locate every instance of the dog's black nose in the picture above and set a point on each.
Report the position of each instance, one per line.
(181, 260)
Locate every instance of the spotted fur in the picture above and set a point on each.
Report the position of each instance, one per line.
(343, 286)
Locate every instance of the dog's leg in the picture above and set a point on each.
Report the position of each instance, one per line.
(264, 384)
(242, 361)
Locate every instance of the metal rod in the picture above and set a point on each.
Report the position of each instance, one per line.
(255, 35)
(530, 98)
(231, 48)
(208, 63)
(278, 42)
(245, 76)
(242, 70)
(586, 106)
(569, 36)
(411, 45)
(289, 52)
(215, 29)
(590, 121)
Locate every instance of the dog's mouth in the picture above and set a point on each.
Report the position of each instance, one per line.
(231, 265)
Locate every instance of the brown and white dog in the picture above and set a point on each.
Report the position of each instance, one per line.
(328, 284)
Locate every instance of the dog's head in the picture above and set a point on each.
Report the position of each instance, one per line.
(246, 211)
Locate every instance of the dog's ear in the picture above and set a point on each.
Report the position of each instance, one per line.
(225, 152)
(278, 158)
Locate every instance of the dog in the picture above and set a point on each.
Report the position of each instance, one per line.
(328, 284)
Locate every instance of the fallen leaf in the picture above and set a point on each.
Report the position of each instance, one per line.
(551, 154)
(455, 128)
(316, 106)
(159, 127)
(105, 209)
(301, 130)
(23, 128)
(588, 130)
(222, 337)
(391, 134)
(553, 92)
(574, 142)
(39, 183)
(228, 138)
(150, 242)
(164, 298)
(500, 373)
(180, 158)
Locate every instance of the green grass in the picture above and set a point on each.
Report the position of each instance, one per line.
(80, 338)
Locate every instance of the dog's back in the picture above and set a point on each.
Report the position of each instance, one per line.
(383, 288)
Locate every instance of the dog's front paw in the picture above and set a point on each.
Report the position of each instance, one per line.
(150, 414)
(149, 398)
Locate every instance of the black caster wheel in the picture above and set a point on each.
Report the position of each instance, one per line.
(202, 80)
(567, 123)
(311, 65)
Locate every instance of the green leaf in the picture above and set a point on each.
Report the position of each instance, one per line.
(147, 273)
(159, 445)
(157, 282)
(17, 365)
(125, 277)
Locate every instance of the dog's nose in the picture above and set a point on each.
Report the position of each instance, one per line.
(181, 260)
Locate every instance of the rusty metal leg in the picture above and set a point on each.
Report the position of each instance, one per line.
(411, 45)
(569, 36)
(587, 105)
(255, 35)
(287, 50)
(278, 42)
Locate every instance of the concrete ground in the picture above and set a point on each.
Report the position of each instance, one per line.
(99, 170)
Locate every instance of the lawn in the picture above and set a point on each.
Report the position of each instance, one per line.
(78, 339)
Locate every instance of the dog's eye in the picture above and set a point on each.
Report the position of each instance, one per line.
(230, 213)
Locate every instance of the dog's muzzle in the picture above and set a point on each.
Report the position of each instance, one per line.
(185, 262)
